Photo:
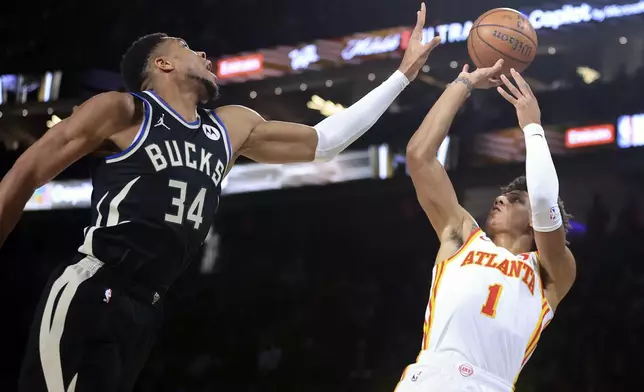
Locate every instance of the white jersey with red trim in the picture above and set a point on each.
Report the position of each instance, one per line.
(488, 305)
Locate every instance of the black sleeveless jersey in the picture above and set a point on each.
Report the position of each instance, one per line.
(153, 203)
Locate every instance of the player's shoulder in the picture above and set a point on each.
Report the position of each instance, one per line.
(239, 113)
(113, 103)
(239, 122)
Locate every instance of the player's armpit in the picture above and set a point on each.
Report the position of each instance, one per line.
(272, 141)
(558, 261)
(71, 139)
(438, 199)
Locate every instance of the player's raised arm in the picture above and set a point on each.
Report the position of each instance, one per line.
(433, 187)
(280, 142)
(71, 139)
(543, 189)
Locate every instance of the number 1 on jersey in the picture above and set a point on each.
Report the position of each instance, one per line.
(494, 293)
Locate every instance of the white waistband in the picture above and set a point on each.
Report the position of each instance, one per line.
(455, 362)
(91, 264)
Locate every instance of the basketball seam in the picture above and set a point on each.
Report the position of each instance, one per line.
(498, 51)
(474, 51)
(492, 12)
(513, 29)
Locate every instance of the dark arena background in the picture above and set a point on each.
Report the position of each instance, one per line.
(315, 277)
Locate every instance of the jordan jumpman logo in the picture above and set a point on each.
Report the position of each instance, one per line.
(160, 122)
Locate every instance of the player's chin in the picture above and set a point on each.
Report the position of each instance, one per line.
(493, 222)
(211, 89)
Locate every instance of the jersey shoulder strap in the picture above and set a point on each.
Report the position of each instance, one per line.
(476, 235)
(141, 135)
(214, 128)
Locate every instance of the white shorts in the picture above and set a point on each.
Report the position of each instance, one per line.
(449, 373)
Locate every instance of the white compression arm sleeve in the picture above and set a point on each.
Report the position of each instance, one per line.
(337, 132)
(542, 181)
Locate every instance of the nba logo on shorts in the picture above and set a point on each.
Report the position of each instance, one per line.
(415, 376)
(108, 296)
(211, 132)
(553, 212)
(466, 370)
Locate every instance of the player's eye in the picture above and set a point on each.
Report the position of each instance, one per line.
(513, 197)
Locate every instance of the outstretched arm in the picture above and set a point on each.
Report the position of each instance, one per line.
(433, 187)
(284, 142)
(280, 142)
(543, 191)
(71, 139)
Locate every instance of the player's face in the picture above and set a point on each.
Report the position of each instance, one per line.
(510, 213)
(195, 67)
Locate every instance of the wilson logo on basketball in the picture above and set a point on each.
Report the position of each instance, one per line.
(466, 370)
(516, 44)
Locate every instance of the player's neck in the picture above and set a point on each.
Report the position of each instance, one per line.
(515, 244)
(182, 101)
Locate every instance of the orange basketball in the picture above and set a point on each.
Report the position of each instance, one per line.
(502, 33)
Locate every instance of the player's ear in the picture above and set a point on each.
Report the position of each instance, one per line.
(164, 64)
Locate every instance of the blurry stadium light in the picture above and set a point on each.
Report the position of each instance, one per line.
(552, 50)
(593, 135)
(328, 83)
(50, 111)
(210, 252)
(577, 227)
(54, 120)
(303, 86)
(11, 144)
(240, 66)
(371, 77)
(630, 131)
(327, 108)
(453, 64)
(441, 154)
(371, 45)
(426, 68)
(623, 40)
(278, 90)
(383, 162)
(47, 84)
(588, 74)
(25, 112)
(253, 94)
(302, 58)
(0, 114)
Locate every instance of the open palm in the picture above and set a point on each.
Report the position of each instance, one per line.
(417, 52)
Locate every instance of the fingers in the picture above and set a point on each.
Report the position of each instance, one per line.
(507, 96)
(433, 43)
(420, 19)
(510, 86)
(523, 85)
(496, 82)
(496, 68)
(466, 68)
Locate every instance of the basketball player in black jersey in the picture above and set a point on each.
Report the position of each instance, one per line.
(153, 201)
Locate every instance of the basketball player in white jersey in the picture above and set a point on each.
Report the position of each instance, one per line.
(493, 292)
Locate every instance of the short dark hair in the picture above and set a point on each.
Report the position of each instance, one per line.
(135, 60)
(520, 184)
